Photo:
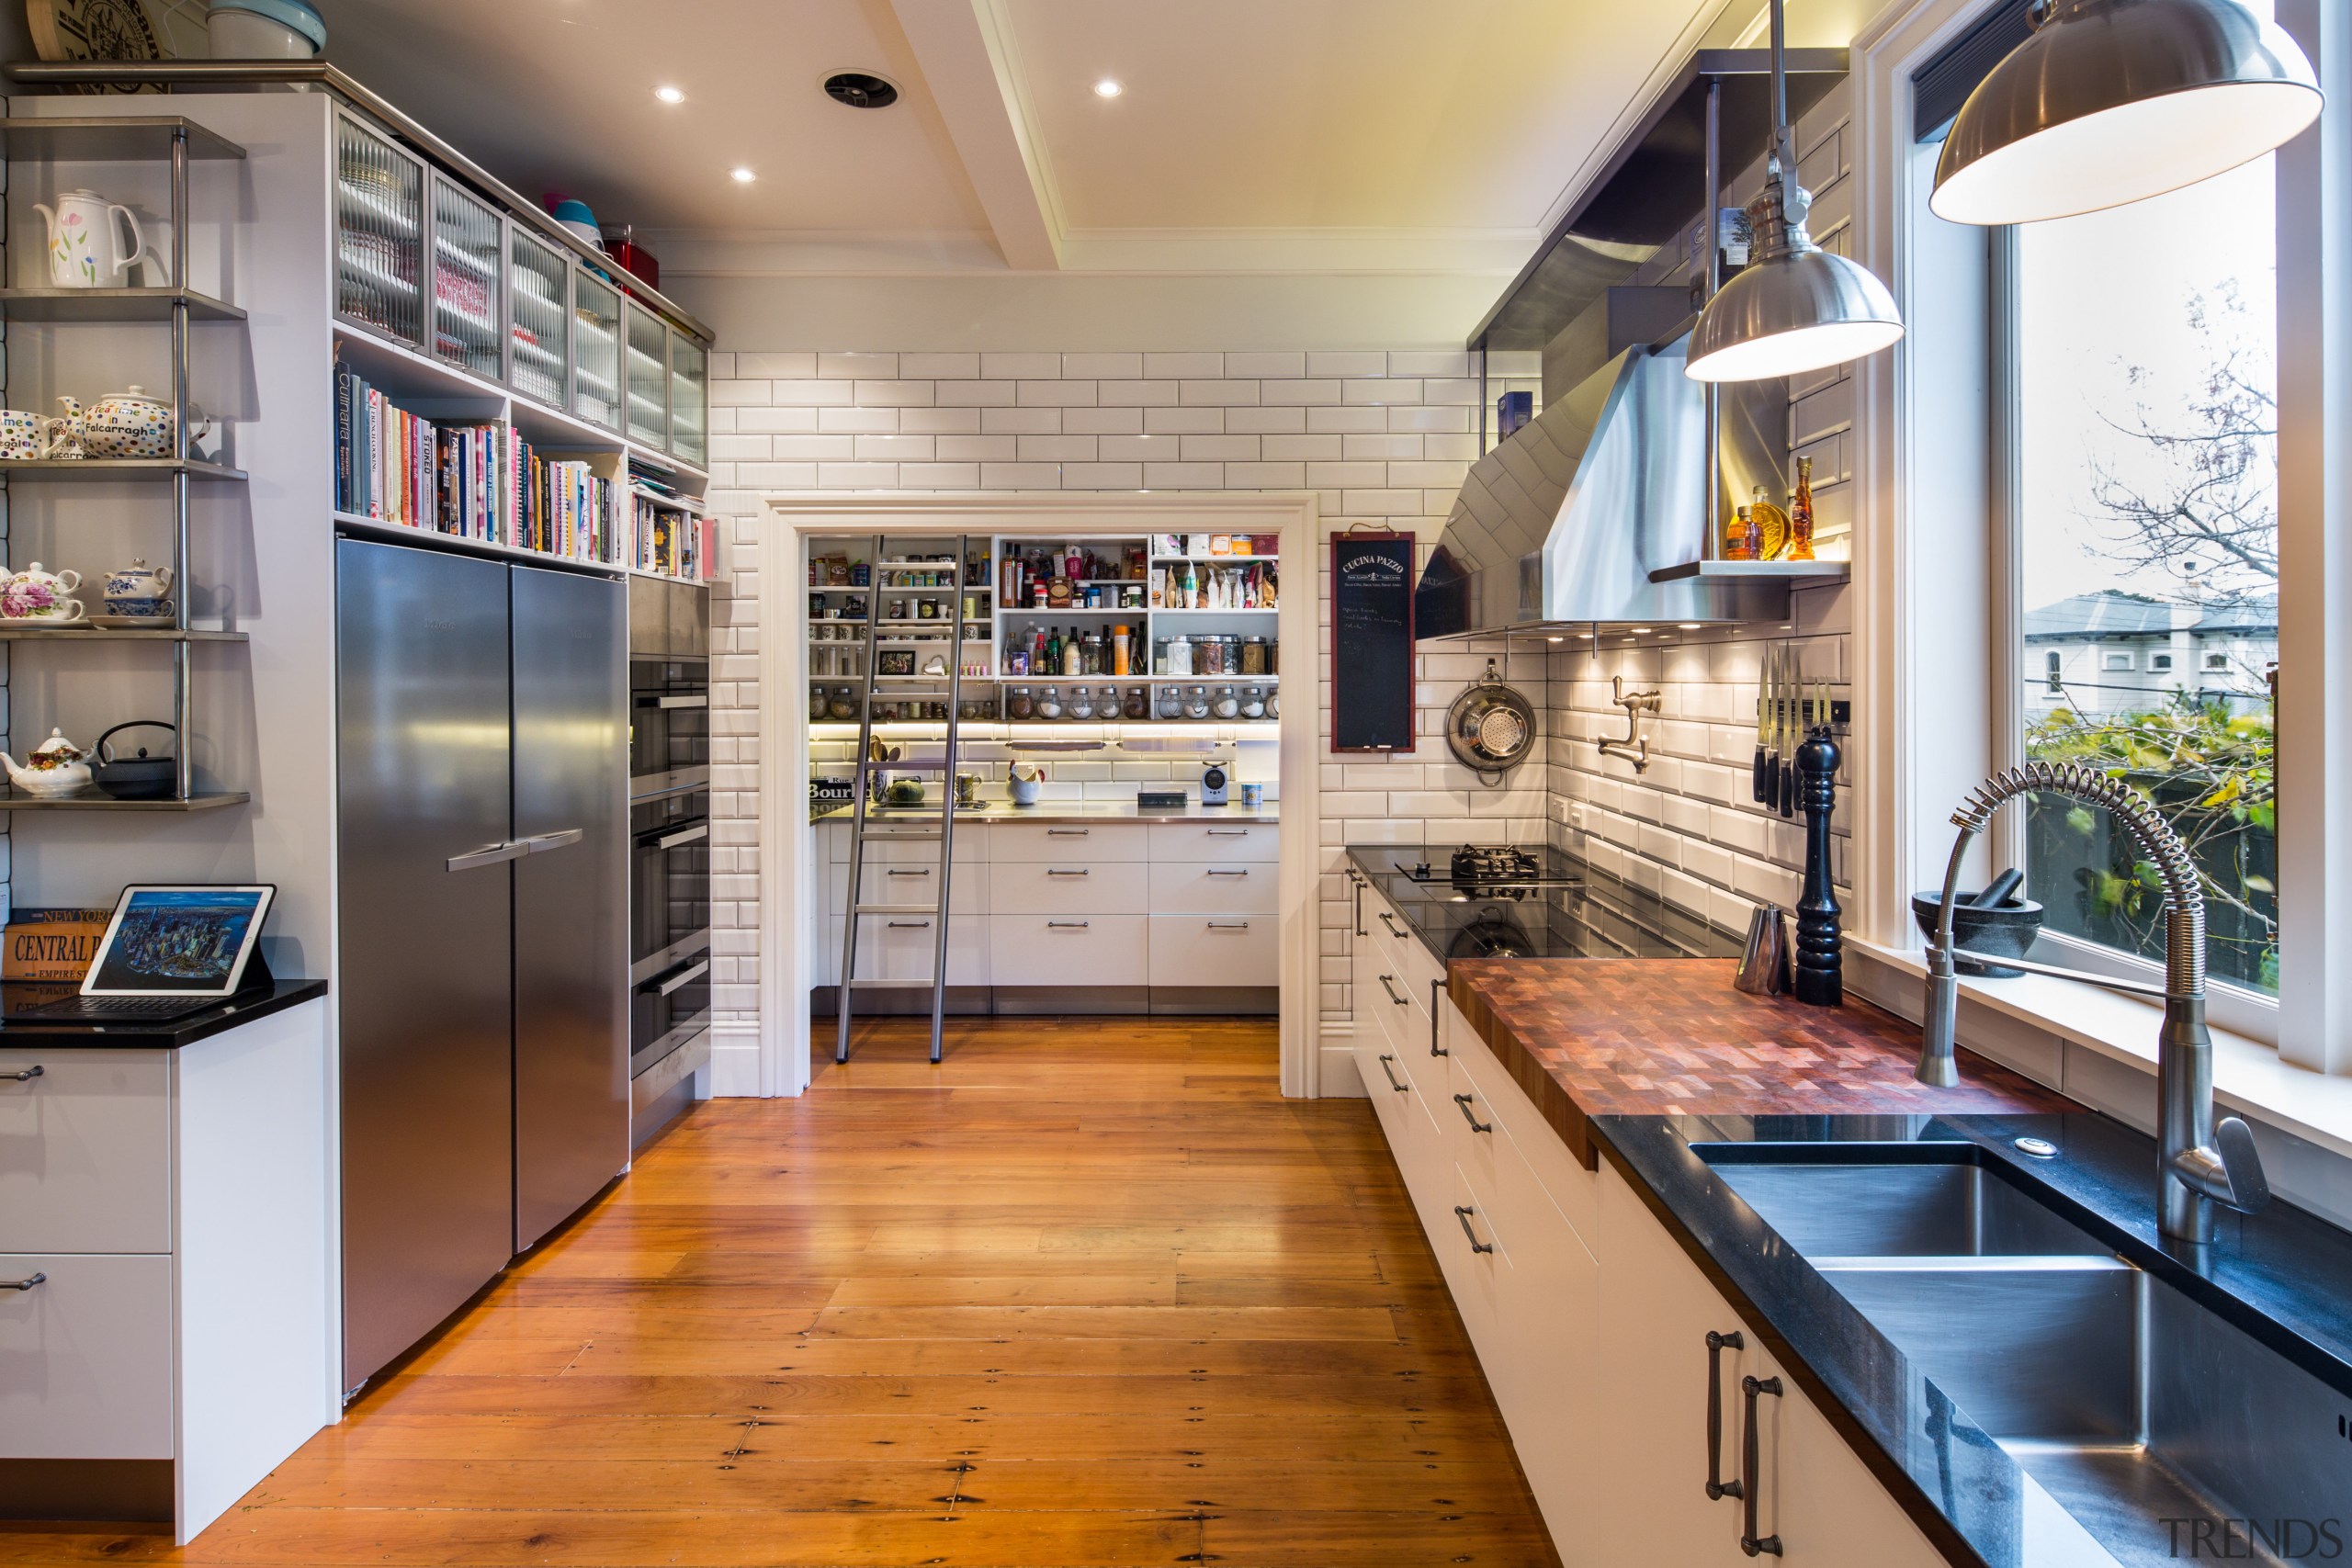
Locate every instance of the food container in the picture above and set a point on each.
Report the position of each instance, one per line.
(1170, 705)
(1049, 703)
(264, 30)
(1226, 703)
(1081, 703)
(1253, 656)
(1197, 702)
(1138, 703)
(1021, 705)
(1253, 701)
(843, 706)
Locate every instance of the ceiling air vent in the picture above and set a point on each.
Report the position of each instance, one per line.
(860, 90)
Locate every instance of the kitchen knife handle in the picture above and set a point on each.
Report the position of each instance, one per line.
(1756, 784)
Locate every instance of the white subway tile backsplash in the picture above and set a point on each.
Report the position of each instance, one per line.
(938, 367)
(1343, 363)
(1021, 421)
(1021, 367)
(1184, 366)
(770, 366)
(1263, 421)
(1100, 366)
(857, 421)
(857, 367)
(1054, 394)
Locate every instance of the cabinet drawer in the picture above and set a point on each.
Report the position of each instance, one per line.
(1477, 1257)
(1079, 843)
(1212, 887)
(1416, 1142)
(1070, 886)
(1504, 1105)
(1258, 841)
(1214, 950)
(900, 947)
(1070, 949)
(887, 884)
(85, 1358)
(1387, 996)
(85, 1152)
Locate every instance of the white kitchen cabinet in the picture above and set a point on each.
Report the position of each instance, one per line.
(1213, 841)
(1072, 886)
(1214, 950)
(188, 1313)
(89, 1142)
(1070, 949)
(904, 947)
(1815, 1493)
(1200, 888)
(1082, 842)
(1590, 1321)
(85, 1356)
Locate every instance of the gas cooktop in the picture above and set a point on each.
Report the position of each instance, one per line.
(1538, 903)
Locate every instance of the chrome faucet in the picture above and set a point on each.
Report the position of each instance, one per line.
(2199, 1162)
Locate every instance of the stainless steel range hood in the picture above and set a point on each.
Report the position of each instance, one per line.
(1564, 523)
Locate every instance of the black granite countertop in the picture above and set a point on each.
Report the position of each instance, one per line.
(48, 1034)
(2282, 1277)
(1580, 912)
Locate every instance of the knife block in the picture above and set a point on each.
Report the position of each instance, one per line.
(1820, 966)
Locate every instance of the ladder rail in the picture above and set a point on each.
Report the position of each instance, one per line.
(947, 802)
(859, 805)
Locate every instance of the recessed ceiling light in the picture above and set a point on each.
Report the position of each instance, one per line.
(741, 176)
(1109, 87)
(670, 94)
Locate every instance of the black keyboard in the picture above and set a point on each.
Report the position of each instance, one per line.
(103, 1008)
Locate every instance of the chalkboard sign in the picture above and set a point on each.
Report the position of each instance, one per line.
(1372, 642)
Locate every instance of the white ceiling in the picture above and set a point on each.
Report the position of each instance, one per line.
(1253, 135)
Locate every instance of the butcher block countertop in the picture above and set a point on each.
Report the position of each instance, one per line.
(1588, 1037)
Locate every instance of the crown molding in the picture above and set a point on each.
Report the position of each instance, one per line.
(790, 252)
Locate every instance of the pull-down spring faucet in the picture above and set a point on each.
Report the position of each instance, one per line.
(2199, 1162)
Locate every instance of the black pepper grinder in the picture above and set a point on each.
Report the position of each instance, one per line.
(1820, 947)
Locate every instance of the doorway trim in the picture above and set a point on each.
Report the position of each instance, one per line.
(778, 1063)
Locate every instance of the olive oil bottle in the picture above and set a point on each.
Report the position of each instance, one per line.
(1801, 513)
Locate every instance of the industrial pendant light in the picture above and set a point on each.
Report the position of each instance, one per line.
(2112, 101)
(1797, 307)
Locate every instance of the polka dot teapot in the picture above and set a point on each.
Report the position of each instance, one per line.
(130, 424)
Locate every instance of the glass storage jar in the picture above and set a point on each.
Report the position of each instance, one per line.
(1253, 656)
(1138, 704)
(1171, 704)
(1226, 703)
(1253, 701)
(1106, 703)
(1049, 703)
(1179, 656)
(843, 706)
(1021, 705)
(1197, 702)
(1274, 703)
(1081, 703)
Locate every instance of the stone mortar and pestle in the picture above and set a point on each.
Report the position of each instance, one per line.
(1992, 924)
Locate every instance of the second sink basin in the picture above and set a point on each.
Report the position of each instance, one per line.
(2136, 1408)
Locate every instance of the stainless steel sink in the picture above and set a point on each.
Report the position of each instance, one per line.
(1888, 1210)
(2128, 1402)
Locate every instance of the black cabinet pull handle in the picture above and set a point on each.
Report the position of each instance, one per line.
(1390, 1073)
(1463, 1212)
(1749, 1462)
(27, 1283)
(1391, 924)
(1471, 1116)
(1717, 1487)
(1393, 995)
(1360, 887)
(25, 1075)
(1436, 989)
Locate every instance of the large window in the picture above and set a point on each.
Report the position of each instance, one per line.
(2146, 520)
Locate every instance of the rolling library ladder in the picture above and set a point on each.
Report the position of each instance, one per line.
(939, 824)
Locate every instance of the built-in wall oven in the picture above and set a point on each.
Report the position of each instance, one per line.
(670, 857)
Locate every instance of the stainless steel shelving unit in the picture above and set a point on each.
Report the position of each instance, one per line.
(125, 141)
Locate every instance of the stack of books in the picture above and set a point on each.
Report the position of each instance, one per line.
(563, 508)
(397, 467)
(672, 541)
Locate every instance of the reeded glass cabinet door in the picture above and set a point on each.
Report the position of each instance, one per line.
(378, 235)
(595, 351)
(467, 241)
(648, 377)
(538, 294)
(689, 395)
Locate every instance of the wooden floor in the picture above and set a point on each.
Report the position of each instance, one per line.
(1091, 1292)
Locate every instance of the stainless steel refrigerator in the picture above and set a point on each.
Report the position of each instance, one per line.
(483, 759)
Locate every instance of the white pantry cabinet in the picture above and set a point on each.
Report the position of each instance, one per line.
(165, 1240)
(1589, 1319)
(1157, 912)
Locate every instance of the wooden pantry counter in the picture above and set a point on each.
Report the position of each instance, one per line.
(1585, 1037)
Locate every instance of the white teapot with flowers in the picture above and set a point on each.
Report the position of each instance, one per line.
(54, 767)
(40, 597)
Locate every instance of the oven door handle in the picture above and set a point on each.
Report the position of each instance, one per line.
(688, 699)
(682, 836)
(666, 984)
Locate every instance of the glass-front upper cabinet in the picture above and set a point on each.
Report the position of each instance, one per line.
(689, 398)
(378, 235)
(467, 240)
(648, 377)
(595, 350)
(538, 296)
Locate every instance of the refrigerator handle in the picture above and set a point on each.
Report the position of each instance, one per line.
(539, 843)
(494, 855)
